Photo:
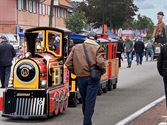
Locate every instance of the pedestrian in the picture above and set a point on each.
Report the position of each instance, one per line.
(139, 50)
(162, 66)
(7, 53)
(77, 62)
(159, 34)
(149, 50)
(120, 50)
(128, 50)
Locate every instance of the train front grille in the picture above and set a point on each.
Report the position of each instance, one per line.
(29, 106)
(18, 104)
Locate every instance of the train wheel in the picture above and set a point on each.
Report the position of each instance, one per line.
(65, 104)
(100, 91)
(105, 89)
(61, 103)
(80, 100)
(115, 86)
(56, 108)
(109, 85)
(61, 106)
(73, 100)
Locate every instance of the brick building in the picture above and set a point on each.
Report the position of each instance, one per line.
(23, 14)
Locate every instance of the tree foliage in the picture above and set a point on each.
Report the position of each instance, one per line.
(76, 22)
(141, 23)
(111, 12)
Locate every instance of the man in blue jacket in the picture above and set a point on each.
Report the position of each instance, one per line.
(139, 50)
(7, 53)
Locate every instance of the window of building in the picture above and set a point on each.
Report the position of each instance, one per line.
(24, 4)
(56, 9)
(48, 10)
(30, 5)
(43, 9)
(58, 12)
(40, 8)
(34, 6)
(65, 12)
(37, 10)
(19, 4)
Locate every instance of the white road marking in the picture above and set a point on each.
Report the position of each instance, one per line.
(141, 111)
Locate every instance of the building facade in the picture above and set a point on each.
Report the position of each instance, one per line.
(18, 15)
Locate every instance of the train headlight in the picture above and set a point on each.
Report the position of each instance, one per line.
(28, 55)
(26, 72)
(43, 83)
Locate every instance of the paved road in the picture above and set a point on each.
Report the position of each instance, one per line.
(137, 87)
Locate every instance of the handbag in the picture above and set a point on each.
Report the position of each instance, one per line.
(95, 71)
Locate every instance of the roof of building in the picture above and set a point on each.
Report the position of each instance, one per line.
(65, 3)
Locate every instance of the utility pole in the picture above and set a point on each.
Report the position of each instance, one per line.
(51, 13)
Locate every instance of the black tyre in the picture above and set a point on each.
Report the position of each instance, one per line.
(100, 92)
(79, 100)
(115, 86)
(105, 89)
(109, 85)
(73, 100)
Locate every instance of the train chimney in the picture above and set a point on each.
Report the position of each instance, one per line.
(31, 39)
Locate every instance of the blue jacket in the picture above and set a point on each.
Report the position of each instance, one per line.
(7, 53)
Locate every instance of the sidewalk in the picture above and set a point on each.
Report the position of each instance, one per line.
(155, 116)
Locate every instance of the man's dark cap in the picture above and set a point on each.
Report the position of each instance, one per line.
(92, 35)
(160, 13)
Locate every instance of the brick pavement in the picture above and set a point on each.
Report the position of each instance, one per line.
(155, 116)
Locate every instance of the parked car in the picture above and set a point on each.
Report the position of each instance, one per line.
(14, 40)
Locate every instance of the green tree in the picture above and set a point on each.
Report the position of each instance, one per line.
(111, 12)
(142, 22)
(76, 22)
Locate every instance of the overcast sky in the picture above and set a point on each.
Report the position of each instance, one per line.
(150, 8)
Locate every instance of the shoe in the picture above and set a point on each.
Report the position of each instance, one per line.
(129, 66)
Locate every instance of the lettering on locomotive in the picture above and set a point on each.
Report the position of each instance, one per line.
(23, 94)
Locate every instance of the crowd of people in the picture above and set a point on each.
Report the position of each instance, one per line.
(129, 48)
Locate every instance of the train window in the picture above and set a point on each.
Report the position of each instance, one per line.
(39, 42)
(56, 76)
(54, 43)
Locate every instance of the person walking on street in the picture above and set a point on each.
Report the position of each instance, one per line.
(149, 51)
(120, 50)
(159, 35)
(129, 50)
(139, 50)
(162, 67)
(7, 53)
(77, 62)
